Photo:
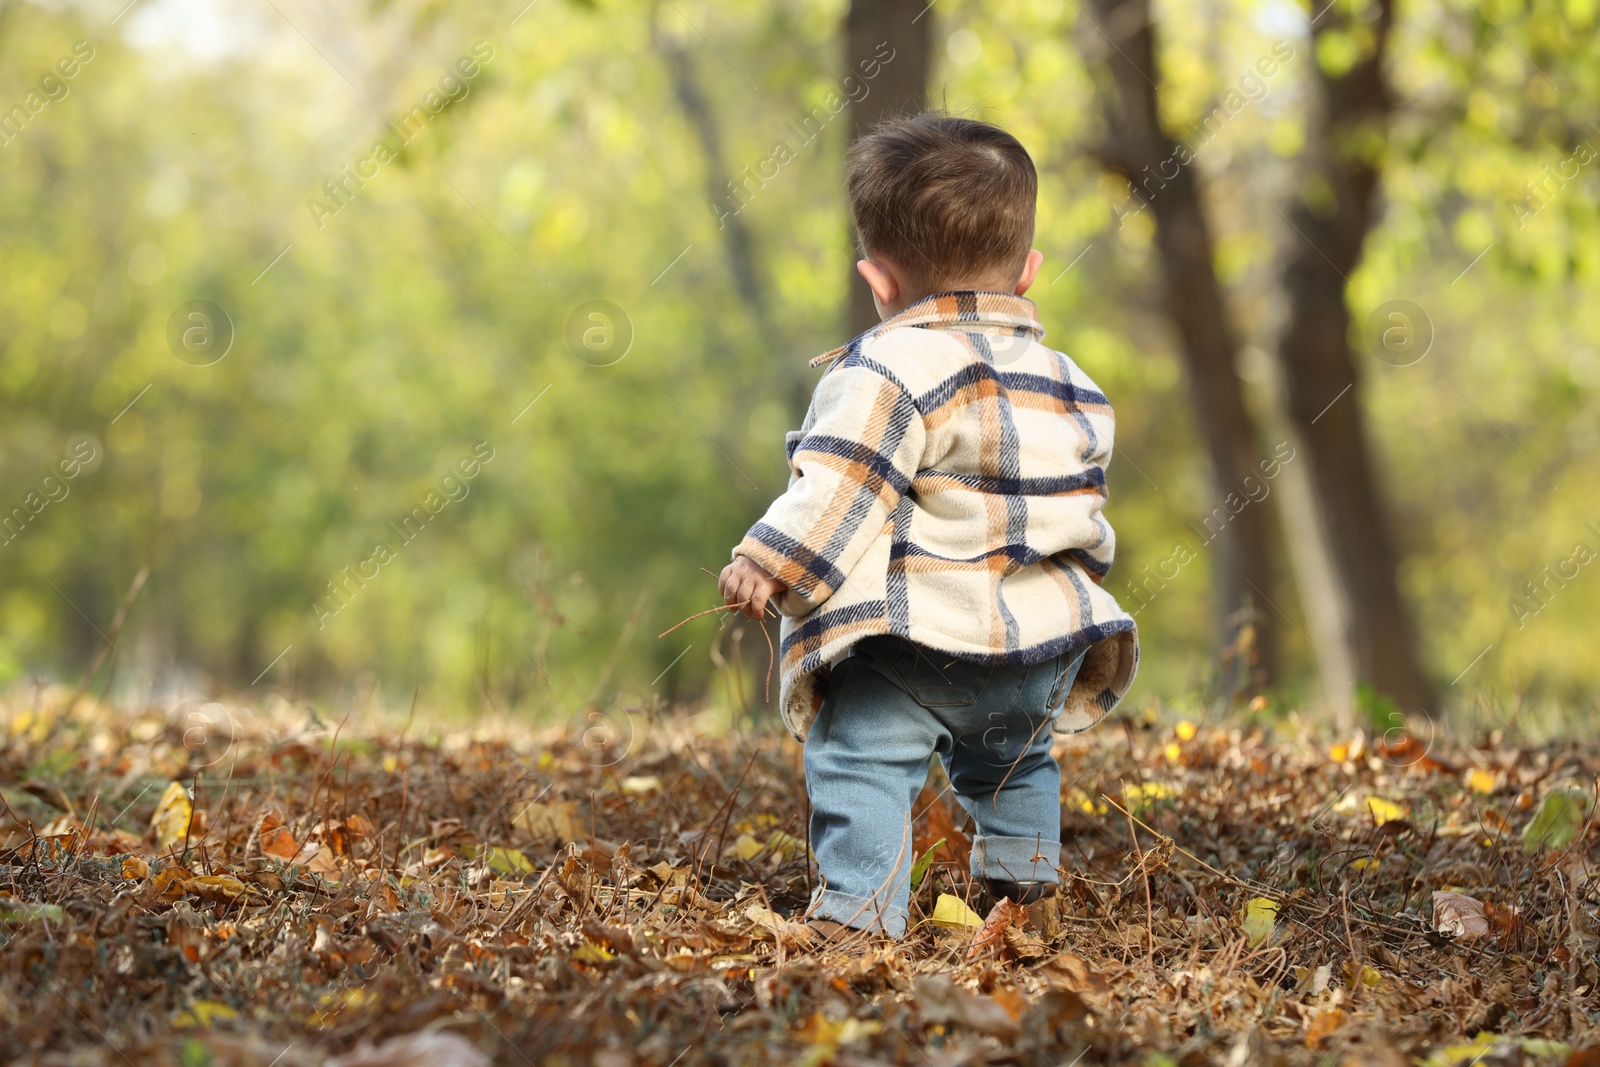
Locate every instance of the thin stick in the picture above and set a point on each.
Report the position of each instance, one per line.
(708, 611)
(111, 639)
(772, 658)
(1144, 878)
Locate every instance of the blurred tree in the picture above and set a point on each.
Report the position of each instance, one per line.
(1121, 46)
(1346, 558)
(901, 87)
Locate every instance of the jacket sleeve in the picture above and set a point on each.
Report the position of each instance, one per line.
(862, 444)
(1084, 533)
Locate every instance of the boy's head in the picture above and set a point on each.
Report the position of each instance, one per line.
(941, 203)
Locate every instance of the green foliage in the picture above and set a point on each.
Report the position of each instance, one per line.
(417, 322)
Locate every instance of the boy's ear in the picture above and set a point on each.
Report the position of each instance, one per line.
(1030, 271)
(880, 281)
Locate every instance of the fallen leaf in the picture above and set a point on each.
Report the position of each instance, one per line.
(940, 1000)
(919, 869)
(218, 887)
(1383, 811)
(791, 934)
(428, 1048)
(991, 937)
(1368, 976)
(554, 820)
(589, 952)
(170, 823)
(821, 1030)
(1459, 916)
(1260, 919)
(135, 867)
(639, 785)
(934, 820)
(505, 860)
(746, 847)
(1480, 780)
(952, 912)
(203, 1013)
(1072, 972)
(26, 912)
(1558, 819)
(1323, 1025)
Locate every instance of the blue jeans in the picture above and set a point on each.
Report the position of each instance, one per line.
(889, 706)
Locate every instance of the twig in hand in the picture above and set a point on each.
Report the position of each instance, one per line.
(772, 652)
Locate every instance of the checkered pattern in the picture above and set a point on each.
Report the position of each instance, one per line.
(946, 487)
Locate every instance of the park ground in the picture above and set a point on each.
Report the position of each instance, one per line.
(254, 885)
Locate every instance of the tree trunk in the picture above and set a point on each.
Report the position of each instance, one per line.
(1159, 168)
(1336, 208)
(737, 245)
(900, 88)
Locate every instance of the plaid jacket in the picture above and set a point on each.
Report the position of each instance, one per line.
(946, 487)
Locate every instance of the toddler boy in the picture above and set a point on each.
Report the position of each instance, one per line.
(939, 552)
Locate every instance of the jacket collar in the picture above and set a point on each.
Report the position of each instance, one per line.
(961, 308)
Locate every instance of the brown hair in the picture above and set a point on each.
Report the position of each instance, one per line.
(947, 200)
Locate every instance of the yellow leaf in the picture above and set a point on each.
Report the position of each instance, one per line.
(639, 785)
(1480, 780)
(821, 1030)
(1260, 917)
(1370, 977)
(1339, 753)
(1085, 803)
(203, 1013)
(504, 860)
(952, 912)
(220, 887)
(786, 843)
(390, 763)
(171, 820)
(555, 819)
(1384, 810)
(589, 952)
(1365, 863)
(1172, 752)
(1185, 730)
(746, 847)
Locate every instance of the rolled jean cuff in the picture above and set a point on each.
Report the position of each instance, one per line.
(1016, 859)
(862, 913)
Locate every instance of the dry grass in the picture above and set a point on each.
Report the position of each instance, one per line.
(552, 901)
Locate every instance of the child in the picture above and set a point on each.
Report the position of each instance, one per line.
(938, 554)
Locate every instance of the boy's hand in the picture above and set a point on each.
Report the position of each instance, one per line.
(745, 582)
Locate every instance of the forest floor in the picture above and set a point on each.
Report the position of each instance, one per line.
(626, 893)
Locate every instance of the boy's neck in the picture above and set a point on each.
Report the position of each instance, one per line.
(893, 291)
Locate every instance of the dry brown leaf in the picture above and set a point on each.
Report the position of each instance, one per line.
(550, 820)
(991, 939)
(1459, 916)
(1073, 973)
(940, 1000)
(218, 887)
(775, 927)
(430, 1048)
(1322, 1026)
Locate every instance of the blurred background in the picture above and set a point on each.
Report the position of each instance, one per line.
(359, 348)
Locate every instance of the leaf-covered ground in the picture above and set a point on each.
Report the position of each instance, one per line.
(627, 894)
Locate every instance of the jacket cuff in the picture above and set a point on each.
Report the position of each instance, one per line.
(791, 601)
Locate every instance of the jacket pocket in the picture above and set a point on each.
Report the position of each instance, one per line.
(938, 680)
(1066, 671)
